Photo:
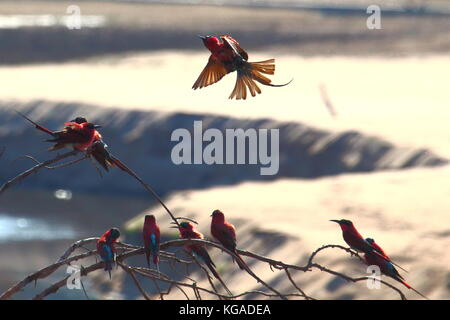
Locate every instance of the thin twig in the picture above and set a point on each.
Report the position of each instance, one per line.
(130, 250)
(34, 169)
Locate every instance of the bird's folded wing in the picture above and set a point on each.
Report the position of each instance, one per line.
(213, 72)
(234, 45)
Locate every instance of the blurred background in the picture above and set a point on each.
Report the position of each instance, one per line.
(364, 134)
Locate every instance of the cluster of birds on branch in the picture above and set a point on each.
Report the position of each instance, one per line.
(226, 56)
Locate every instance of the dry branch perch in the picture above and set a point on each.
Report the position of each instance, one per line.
(34, 169)
(131, 250)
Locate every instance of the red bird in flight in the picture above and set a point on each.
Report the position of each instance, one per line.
(79, 136)
(386, 267)
(105, 248)
(228, 56)
(225, 233)
(356, 241)
(151, 236)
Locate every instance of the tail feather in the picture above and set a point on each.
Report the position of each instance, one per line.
(386, 259)
(155, 258)
(108, 267)
(216, 274)
(35, 124)
(201, 252)
(147, 257)
(409, 287)
(249, 73)
(241, 264)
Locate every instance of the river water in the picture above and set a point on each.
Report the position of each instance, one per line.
(22, 228)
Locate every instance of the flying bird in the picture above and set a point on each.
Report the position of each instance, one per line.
(79, 136)
(228, 56)
(356, 241)
(225, 233)
(105, 248)
(386, 267)
(187, 231)
(151, 236)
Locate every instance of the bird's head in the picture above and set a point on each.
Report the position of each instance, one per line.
(210, 42)
(370, 240)
(186, 226)
(149, 218)
(345, 224)
(218, 215)
(114, 234)
(79, 120)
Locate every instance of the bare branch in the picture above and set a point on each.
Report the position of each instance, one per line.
(130, 250)
(34, 169)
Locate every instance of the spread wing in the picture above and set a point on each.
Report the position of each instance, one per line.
(213, 72)
(234, 45)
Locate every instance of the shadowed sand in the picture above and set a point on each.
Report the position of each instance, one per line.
(403, 99)
(405, 212)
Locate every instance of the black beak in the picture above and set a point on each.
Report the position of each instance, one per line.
(202, 37)
(96, 126)
(174, 227)
(337, 221)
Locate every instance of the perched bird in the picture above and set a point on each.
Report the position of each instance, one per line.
(187, 231)
(386, 267)
(225, 233)
(228, 56)
(105, 248)
(151, 236)
(98, 150)
(79, 136)
(356, 241)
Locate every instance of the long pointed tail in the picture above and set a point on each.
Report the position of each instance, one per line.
(216, 274)
(241, 264)
(108, 267)
(409, 287)
(147, 257)
(251, 72)
(155, 256)
(35, 124)
(386, 259)
(203, 254)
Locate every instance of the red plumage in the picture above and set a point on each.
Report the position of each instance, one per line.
(187, 231)
(106, 248)
(387, 268)
(225, 233)
(79, 136)
(152, 238)
(228, 56)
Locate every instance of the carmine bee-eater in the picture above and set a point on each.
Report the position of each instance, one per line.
(225, 233)
(356, 241)
(98, 150)
(105, 248)
(187, 231)
(386, 267)
(79, 136)
(151, 236)
(228, 56)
